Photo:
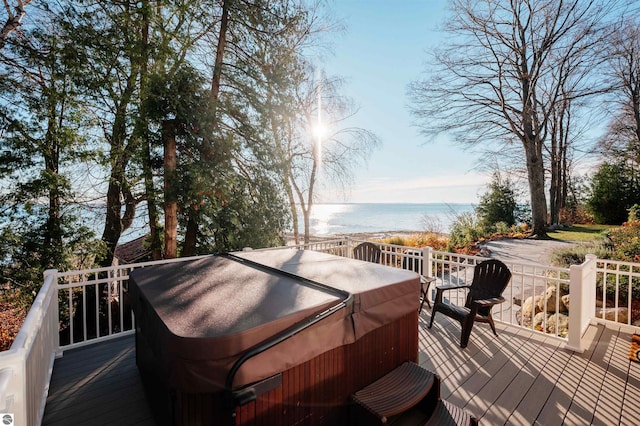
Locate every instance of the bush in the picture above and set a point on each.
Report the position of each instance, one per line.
(426, 239)
(502, 228)
(576, 254)
(626, 241)
(575, 214)
(465, 230)
(613, 191)
(498, 204)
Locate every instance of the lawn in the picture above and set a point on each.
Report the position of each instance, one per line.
(581, 233)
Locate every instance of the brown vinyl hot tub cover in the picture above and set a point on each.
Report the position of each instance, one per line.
(199, 316)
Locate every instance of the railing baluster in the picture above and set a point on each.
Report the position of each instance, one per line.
(71, 313)
(109, 302)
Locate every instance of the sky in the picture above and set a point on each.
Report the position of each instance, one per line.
(382, 50)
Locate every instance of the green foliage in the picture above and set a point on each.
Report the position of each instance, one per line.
(498, 204)
(28, 250)
(626, 241)
(465, 230)
(576, 255)
(614, 189)
(583, 232)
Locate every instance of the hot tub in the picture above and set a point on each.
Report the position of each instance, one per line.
(269, 337)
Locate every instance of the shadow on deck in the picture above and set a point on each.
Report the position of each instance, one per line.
(519, 377)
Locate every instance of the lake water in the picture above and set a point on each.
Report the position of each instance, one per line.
(329, 219)
(347, 218)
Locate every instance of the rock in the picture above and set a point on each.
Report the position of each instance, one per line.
(565, 301)
(558, 322)
(525, 322)
(549, 297)
(538, 320)
(484, 252)
(530, 307)
(610, 314)
(553, 321)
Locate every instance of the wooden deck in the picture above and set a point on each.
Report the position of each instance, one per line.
(518, 378)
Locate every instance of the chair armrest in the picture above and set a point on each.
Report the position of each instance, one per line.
(450, 287)
(424, 279)
(484, 303)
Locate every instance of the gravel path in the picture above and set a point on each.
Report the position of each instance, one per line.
(524, 250)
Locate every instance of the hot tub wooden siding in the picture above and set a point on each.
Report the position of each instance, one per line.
(315, 392)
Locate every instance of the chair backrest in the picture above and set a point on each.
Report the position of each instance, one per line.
(367, 251)
(490, 278)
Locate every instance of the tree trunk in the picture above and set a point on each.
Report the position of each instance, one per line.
(155, 244)
(288, 179)
(53, 235)
(207, 151)
(535, 173)
(14, 20)
(217, 67)
(152, 211)
(119, 158)
(554, 186)
(170, 195)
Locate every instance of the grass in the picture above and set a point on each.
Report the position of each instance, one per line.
(581, 233)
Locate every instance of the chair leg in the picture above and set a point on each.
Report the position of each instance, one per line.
(493, 326)
(466, 325)
(433, 314)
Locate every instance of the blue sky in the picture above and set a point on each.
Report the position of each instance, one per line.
(382, 50)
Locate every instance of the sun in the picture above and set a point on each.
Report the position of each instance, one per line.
(319, 131)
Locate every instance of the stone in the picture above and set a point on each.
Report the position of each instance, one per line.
(558, 322)
(538, 320)
(553, 321)
(610, 314)
(550, 299)
(565, 301)
(530, 306)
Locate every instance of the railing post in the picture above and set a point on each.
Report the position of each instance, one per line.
(54, 318)
(427, 265)
(582, 290)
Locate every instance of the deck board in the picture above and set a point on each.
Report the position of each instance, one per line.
(519, 377)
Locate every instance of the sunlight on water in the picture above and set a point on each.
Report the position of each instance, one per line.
(323, 218)
(331, 219)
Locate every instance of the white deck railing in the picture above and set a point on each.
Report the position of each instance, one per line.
(89, 306)
(25, 369)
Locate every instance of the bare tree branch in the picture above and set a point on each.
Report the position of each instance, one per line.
(14, 19)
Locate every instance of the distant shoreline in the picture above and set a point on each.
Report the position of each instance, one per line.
(367, 236)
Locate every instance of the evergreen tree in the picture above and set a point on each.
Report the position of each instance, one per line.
(614, 189)
(498, 204)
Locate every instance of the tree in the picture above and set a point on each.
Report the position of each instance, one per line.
(498, 204)
(14, 19)
(40, 140)
(316, 147)
(502, 76)
(614, 189)
(623, 133)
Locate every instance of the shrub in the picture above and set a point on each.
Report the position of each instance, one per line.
(465, 231)
(626, 241)
(576, 254)
(498, 204)
(502, 228)
(613, 191)
(426, 239)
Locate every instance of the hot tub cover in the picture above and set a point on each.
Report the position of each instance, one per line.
(199, 316)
